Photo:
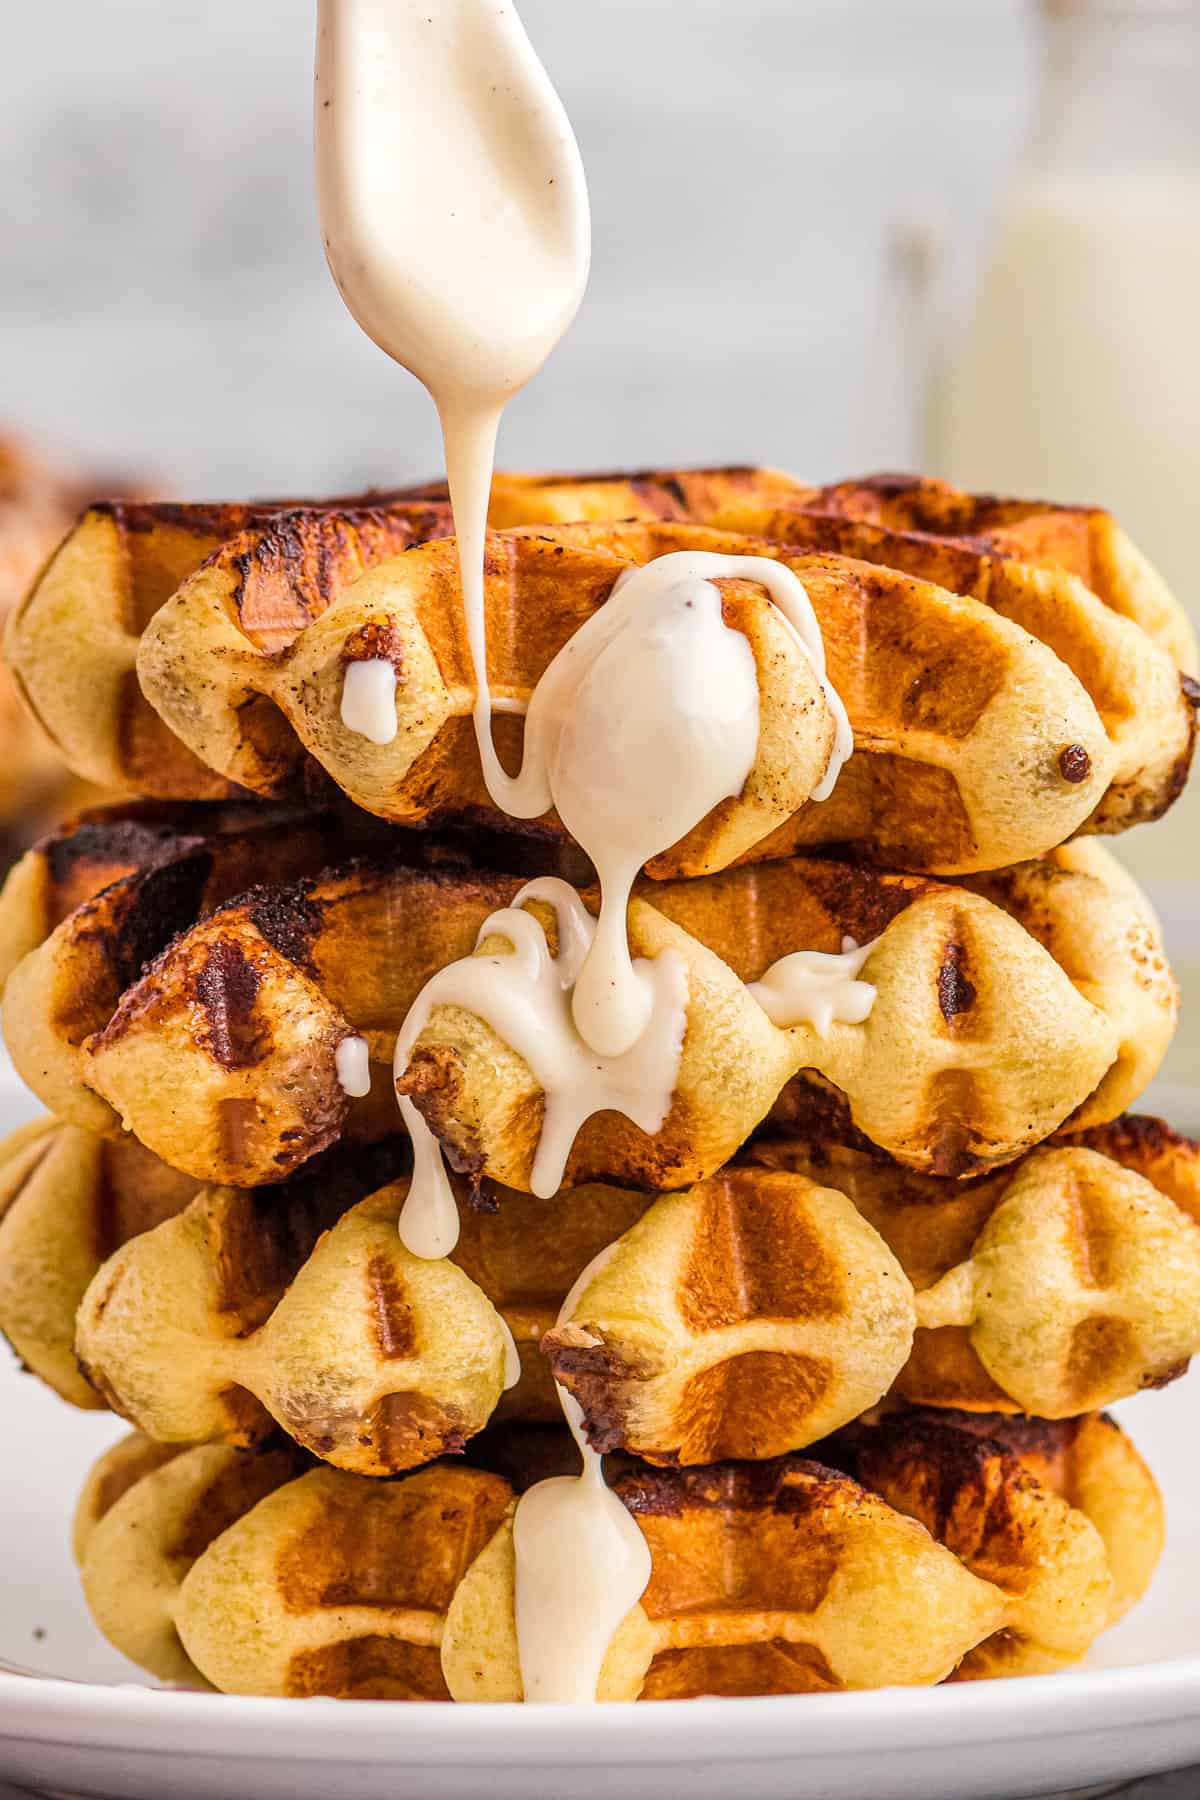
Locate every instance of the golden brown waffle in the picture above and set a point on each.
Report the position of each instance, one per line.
(221, 1058)
(200, 670)
(756, 1311)
(935, 530)
(234, 1315)
(1148, 710)
(1063, 1254)
(143, 877)
(927, 755)
(1083, 540)
(70, 1200)
(643, 494)
(784, 1579)
(146, 1514)
(932, 1078)
(737, 1316)
(976, 744)
(168, 866)
(1021, 1502)
(123, 881)
(728, 1526)
(242, 1312)
(73, 641)
(738, 1319)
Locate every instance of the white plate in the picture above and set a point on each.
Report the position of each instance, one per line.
(83, 1722)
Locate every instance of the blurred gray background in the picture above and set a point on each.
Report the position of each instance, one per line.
(756, 167)
(164, 302)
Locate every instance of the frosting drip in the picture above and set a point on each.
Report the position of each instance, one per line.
(581, 1564)
(817, 988)
(525, 994)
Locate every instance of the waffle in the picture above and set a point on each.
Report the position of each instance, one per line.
(234, 1317)
(274, 566)
(969, 773)
(115, 888)
(238, 1313)
(1021, 1502)
(168, 867)
(1012, 1507)
(644, 494)
(932, 1077)
(221, 1058)
(980, 775)
(923, 525)
(69, 1201)
(738, 1318)
(259, 591)
(199, 670)
(753, 1314)
(1068, 575)
(1063, 1253)
(145, 1516)
(1148, 711)
(1085, 541)
(787, 1579)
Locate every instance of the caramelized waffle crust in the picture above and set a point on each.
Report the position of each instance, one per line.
(166, 864)
(1024, 1000)
(965, 773)
(991, 722)
(1084, 540)
(789, 1577)
(117, 885)
(274, 564)
(1080, 1220)
(1067, 575)
(926, 517)
(1146, 708)
(742, 1318)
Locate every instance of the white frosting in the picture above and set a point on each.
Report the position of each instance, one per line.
(352, 1060)
(525, 995)
(581, 1563)
(455, 219)
(817, 988)
(369, 699)
(645, 720)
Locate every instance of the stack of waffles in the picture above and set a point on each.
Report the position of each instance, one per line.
(843, 1327)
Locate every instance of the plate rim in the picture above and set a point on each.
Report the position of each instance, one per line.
(47, 1710)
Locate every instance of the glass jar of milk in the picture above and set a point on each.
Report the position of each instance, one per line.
(1077, 374)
